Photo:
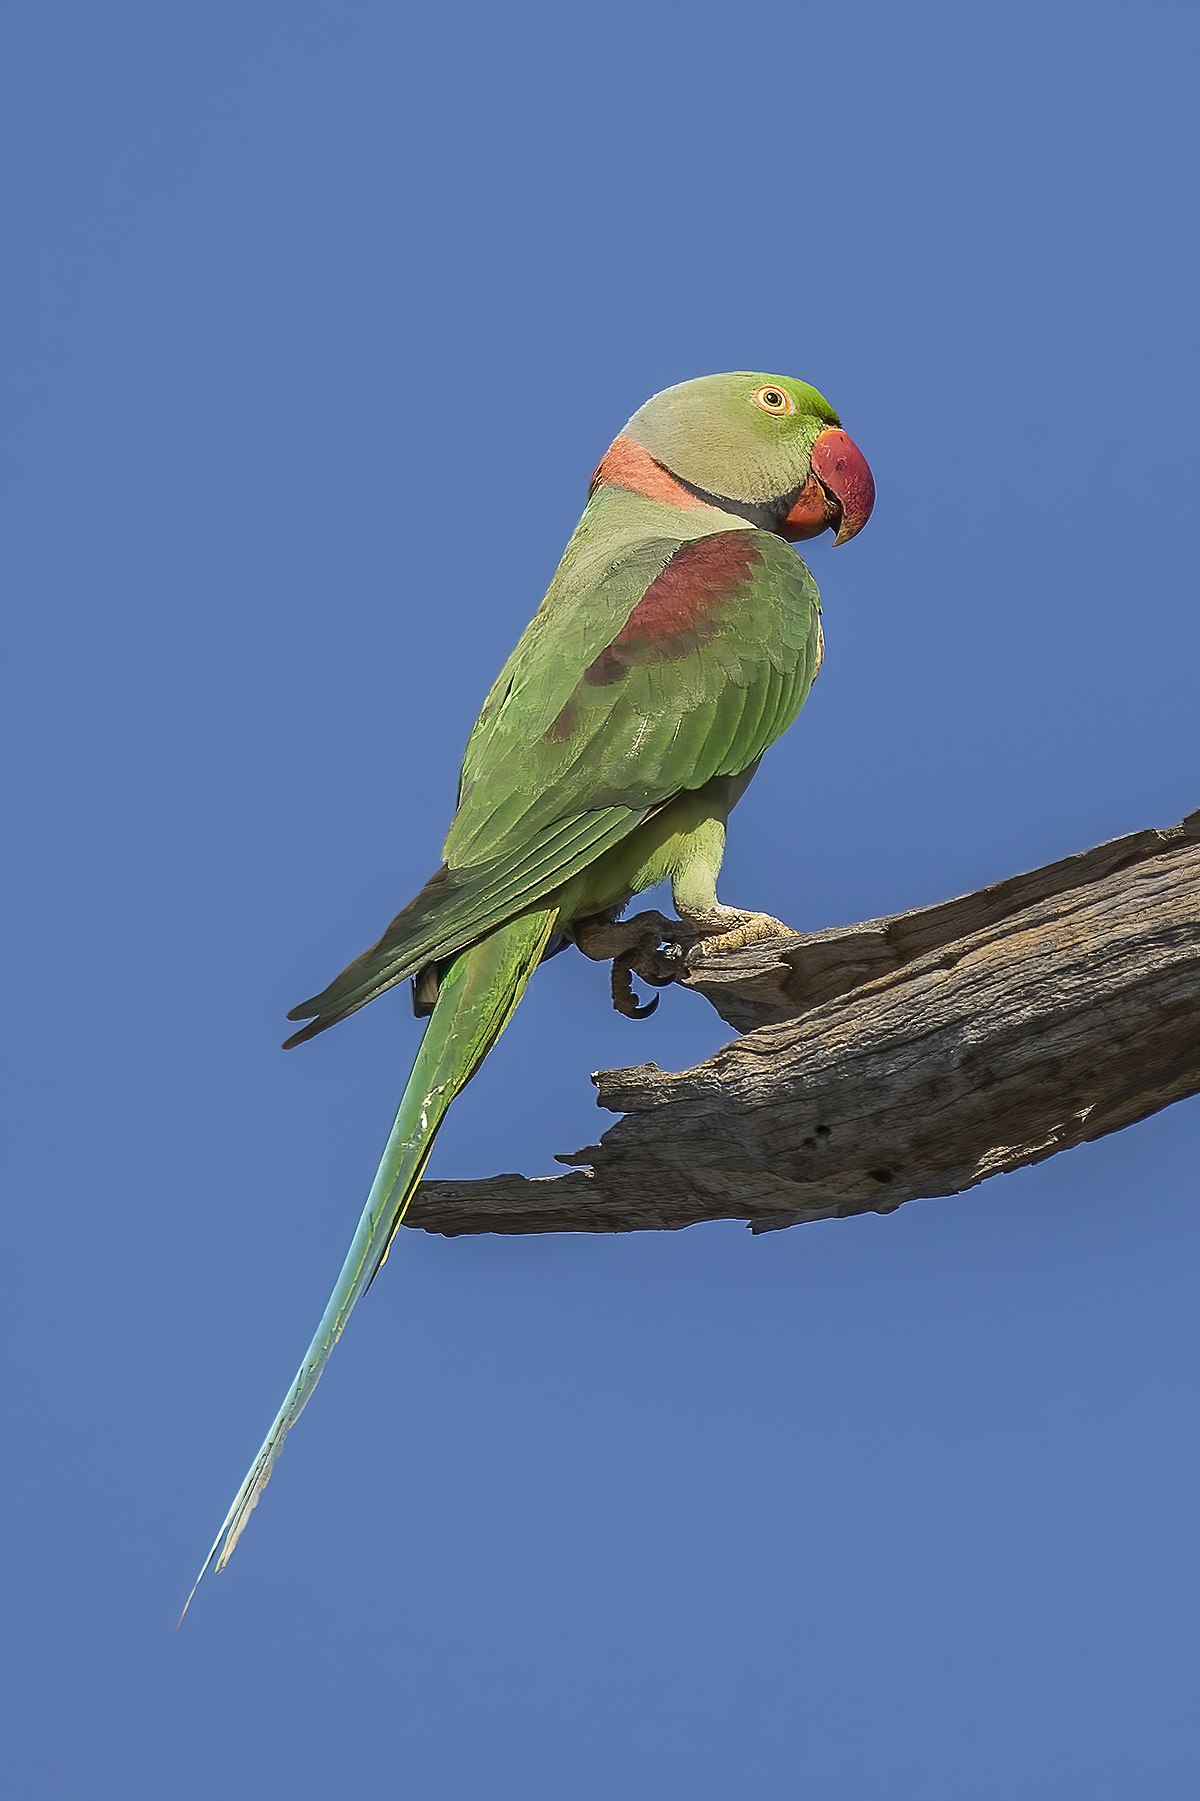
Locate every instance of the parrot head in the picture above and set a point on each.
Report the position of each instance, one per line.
(771, 446)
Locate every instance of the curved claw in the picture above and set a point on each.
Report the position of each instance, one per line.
(624, 996)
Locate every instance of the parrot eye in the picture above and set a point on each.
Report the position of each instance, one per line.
(774, 400)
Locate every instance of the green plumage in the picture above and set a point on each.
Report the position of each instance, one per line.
(537, 807)
(677, 640)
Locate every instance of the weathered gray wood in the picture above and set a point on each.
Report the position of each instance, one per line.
(898, 1058)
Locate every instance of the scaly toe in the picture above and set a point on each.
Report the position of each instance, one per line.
(744, 929)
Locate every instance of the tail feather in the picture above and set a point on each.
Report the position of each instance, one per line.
(477, 997)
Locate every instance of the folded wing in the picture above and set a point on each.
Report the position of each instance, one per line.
(683, 662)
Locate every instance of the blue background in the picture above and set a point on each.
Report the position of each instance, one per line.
(320, 318)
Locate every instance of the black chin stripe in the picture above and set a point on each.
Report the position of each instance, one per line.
(767, 517)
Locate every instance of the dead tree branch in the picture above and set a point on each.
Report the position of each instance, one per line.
(896, 1059)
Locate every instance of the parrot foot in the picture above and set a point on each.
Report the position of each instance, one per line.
(730, 929)
(659, 950)
(644, 945)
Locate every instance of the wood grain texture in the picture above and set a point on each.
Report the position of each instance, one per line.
(898, 1058)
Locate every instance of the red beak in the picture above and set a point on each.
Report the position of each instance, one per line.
(840, 491)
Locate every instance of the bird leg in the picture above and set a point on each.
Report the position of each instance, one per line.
(645, 945)
(659, 950)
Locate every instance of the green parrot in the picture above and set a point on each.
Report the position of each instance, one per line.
(678, 639)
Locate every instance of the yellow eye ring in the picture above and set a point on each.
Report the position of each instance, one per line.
(774, 400)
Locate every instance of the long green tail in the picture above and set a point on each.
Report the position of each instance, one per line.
(478, 995)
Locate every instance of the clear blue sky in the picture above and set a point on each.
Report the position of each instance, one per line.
(318, 319)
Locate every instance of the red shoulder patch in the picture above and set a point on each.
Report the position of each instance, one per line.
(679, 609)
